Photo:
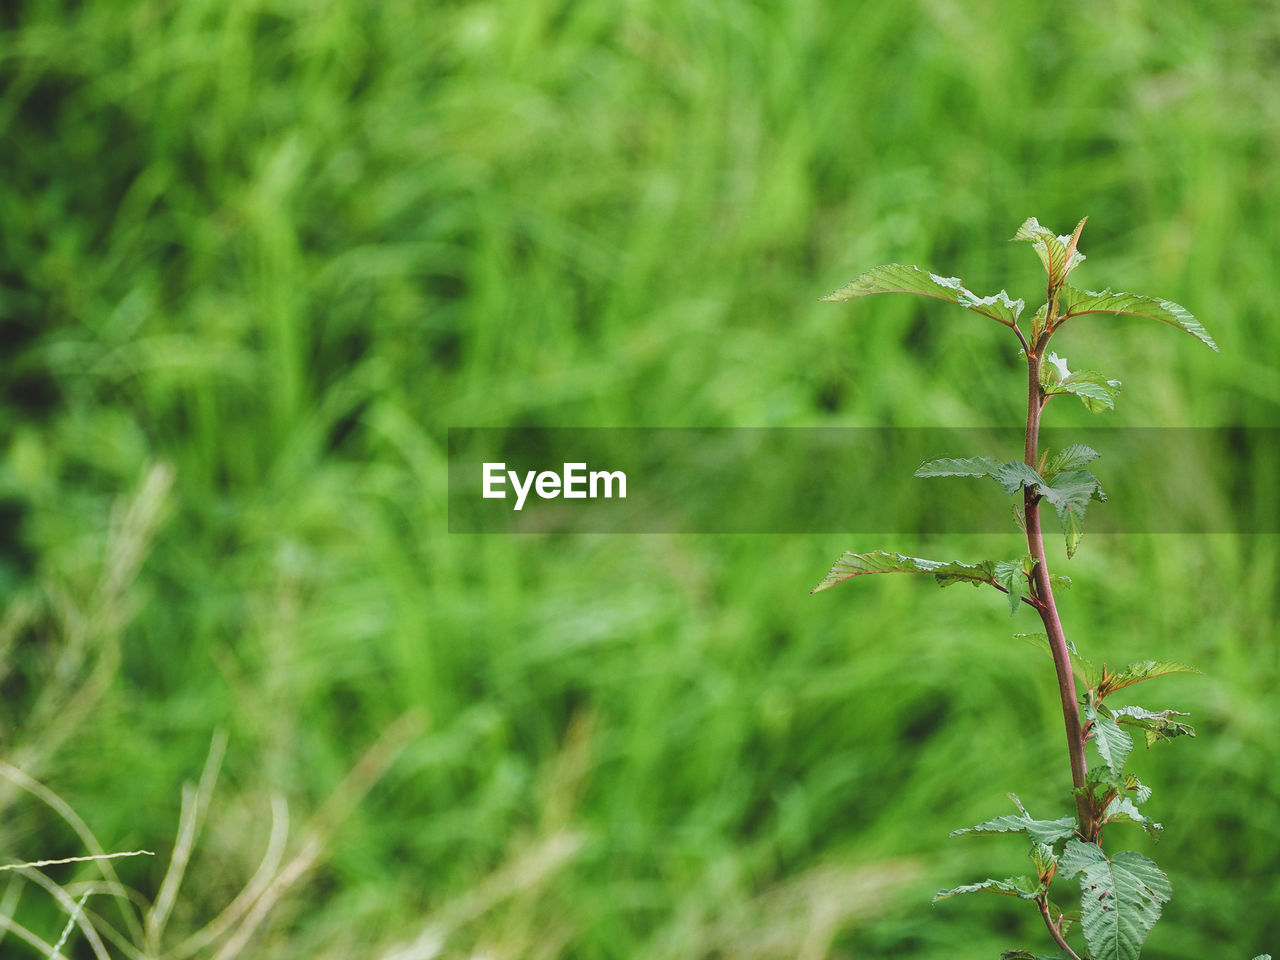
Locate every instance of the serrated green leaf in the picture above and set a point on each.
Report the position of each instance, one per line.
(1016, 475)
(1095, 391)
(1100, 780)
(879, 561)
(1043, 857)
(1121, 898)
(1156, 724)
(1070, 493)
(1040, 831)
(1084, 669)
(1075, 303)
(903, 278)
(1137, 673)
(1123, 810)
(1051, 248)
(1072, 457)
(1010, 575)
(1114, 745)
(1038, 322)
(1022, 887)
(962, 467)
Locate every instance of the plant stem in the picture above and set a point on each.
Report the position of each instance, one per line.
(1054, 931)
(1048, 609)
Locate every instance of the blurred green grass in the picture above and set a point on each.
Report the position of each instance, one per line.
(281, 247)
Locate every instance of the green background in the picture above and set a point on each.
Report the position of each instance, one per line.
(257, 257)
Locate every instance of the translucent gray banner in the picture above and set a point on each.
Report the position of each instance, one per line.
(842, 480)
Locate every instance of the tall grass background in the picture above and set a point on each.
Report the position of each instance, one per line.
(256, 257)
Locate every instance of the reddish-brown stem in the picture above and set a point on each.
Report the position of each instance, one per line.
(1054, 932)
(1048, 609)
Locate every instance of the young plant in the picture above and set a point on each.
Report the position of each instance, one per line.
(1121, 894)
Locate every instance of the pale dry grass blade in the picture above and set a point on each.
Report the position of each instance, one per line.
(99, 857)
(525, 872)
(9, 902)
(87, 859)
(122, 944)
(797, 919)
(130, 537)
(22, 933)
(277, 842)
(195, 803)
(73, 910)
(562, 783)
(21, 612)
(90, 632)
(428, 945)
(68, 927)
(368, 771)
(528, 870)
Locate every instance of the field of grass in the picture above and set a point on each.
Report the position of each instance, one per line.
(257, 256)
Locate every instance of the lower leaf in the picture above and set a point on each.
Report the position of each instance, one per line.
(1121, 898)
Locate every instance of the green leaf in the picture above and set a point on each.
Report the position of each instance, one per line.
(1095, 391)
(1100, 781)
(1043, 857)
(1070, 492)
(1075, 303)
(1040, 831)
(1084, 670)
(1123, 810)
(1073, 457)
(1038, 321)
(1121, 898)
(1114, 745)
(1011, 575)
(1023, 887)
(1264, 956)
(944, 572)
(952, 467)
(1156, 725)
(1137, 673)
(1016, 475)
(879, 561)
(901, 278)
(1142, 793)
(1052, 248)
